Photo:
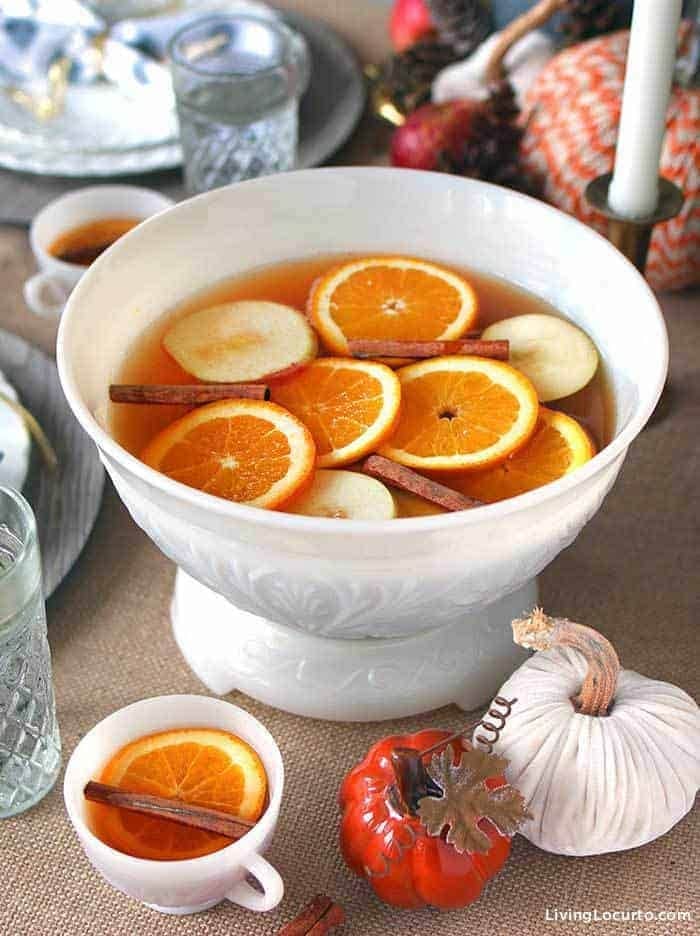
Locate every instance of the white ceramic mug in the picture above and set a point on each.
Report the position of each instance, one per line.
(47, 292)
(193, 884)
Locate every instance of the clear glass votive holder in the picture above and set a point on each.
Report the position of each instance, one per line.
(30, 747)
(238, 80)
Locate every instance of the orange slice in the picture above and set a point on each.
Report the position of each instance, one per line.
(350, 407)
(197, 765)
(461, 413)
(248, 451)
(390, 297)
(558, 446)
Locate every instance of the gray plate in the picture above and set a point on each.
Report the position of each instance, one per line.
(105, 138)
(333, 105)
(65, 502)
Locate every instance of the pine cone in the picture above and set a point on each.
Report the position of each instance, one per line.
(407, 77)
(463, 24)
(502, 106)
(492, 152)
(584, 19)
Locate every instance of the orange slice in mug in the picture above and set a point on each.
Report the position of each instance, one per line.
(390, 297)
(559, 445)
(460, 413)
(350, 407)
(248, 451)
(204, 766)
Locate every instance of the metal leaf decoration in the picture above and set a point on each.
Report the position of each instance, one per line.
(466, 800)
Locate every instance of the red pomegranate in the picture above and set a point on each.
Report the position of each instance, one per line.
(430, 131)
(410, 21)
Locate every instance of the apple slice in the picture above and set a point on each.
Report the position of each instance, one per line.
(240, 341)
(558, 357)
(345, 495)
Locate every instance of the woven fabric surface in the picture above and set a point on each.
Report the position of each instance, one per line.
(632, 573)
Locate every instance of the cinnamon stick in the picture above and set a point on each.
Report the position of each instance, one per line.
(334, 916)
(384, 469)
(186, 394)
(318, 917)
(189, 814)
(375, 348)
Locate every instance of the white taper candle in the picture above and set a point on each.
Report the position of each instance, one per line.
(634, 190)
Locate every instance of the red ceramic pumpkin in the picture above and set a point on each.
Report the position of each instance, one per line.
(570, 137)
(383, 841)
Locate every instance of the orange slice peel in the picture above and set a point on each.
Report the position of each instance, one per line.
(461, 413)
(558, 446)
(203, 766)
(390, 298)
(249, 451)
(349, 406)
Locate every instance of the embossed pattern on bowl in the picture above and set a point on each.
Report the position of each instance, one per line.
(330, 577)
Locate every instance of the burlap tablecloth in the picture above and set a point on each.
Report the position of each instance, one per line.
(632, 572)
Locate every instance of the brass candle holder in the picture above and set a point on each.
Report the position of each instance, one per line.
(632, 237)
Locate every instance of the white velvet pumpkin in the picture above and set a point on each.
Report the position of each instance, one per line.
(598, 783)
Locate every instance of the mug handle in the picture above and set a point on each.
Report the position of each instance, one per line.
(35, 290)
(272, 884)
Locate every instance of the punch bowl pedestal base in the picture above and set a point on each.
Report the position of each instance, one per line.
(364, 679)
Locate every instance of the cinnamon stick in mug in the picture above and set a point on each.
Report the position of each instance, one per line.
(189, 814)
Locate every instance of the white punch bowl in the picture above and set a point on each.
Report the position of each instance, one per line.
(334, 618)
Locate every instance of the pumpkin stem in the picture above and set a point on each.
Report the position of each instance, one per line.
(519, 27)
(539, 631)
(413, 781)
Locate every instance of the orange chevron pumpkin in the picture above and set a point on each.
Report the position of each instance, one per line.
(573, 111)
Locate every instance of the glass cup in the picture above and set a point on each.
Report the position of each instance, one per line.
(30, 747)
(238, 80)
